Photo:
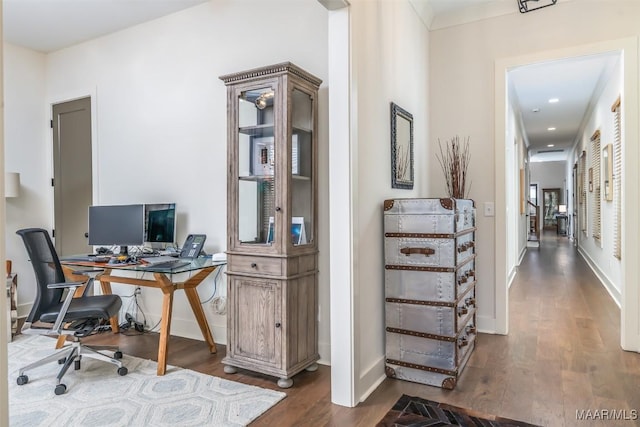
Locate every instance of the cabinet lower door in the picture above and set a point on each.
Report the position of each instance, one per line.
(256, 324)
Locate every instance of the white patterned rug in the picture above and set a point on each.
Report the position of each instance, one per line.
(97, 396)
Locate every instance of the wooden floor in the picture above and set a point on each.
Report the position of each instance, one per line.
(562, 355)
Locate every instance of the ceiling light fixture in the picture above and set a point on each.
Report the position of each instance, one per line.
(553, 100)
(550, 145)
(535, 110)
(535, 4)
(551, 129)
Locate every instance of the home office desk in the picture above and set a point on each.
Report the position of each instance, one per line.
(163, 279)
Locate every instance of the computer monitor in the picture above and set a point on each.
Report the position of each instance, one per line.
(116, 225)
(160, 224)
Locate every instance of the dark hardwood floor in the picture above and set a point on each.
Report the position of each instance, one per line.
(562, 355)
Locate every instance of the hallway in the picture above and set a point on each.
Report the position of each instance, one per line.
(563, 351)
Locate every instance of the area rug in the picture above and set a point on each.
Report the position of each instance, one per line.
(416, 412)
(97, 396)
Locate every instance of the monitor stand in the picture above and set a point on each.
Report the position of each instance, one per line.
(124, 251)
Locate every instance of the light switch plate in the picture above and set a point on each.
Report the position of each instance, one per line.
(489, 209)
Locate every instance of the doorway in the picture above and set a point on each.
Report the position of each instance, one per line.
(551, 202)
(72, 175)
(630, 271)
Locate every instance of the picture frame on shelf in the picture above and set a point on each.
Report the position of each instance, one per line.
(262, 156)
(298, 232)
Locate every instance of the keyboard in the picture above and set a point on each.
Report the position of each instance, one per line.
(174, 264)
(153, 260)
(87, 258)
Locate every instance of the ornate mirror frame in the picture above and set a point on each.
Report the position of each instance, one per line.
(401, 148)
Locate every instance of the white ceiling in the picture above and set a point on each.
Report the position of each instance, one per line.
(576, 83)
(50, 25)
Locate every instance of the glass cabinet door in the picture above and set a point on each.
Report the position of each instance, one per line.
(301, 170)
(256, 166)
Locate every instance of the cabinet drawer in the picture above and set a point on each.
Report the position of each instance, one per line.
(403, 249)
(440, 352)
(255, 265)
(429, 285)
(430, 317)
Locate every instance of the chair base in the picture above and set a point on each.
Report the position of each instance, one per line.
(73, 354)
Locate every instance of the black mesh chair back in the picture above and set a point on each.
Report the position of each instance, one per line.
(47, 268)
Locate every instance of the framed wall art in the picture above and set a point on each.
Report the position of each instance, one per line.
(401, 148)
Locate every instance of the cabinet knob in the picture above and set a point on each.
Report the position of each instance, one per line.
(254, 265)
(86, 235)
(278, 208)
(278, 324)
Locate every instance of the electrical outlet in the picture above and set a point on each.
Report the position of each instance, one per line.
(138, 290)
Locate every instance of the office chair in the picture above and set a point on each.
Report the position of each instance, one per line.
(77, 317)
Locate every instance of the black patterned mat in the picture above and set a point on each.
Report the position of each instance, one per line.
(416, 412)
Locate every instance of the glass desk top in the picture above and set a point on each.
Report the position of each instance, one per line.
(184, 265)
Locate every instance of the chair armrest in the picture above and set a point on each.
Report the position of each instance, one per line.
(64, 285)
(72, 286)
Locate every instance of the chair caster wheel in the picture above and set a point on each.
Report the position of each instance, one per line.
(60, 389)
(117, 355)
(123, 371)
(22, 380)
(61, 361)
(76, 365)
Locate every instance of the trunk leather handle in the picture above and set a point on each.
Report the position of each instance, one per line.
(465, 246)
(423, 251)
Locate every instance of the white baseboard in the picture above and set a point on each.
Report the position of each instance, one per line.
(486, 325)
(371, 378)
(608, 285)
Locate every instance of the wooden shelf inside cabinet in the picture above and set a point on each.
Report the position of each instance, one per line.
(257, 130)
(272, 248)
(258, 178)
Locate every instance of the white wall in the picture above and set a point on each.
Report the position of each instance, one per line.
(462, 77)
(599, 253)
(160, 112)
(389, 64)
(26, 136)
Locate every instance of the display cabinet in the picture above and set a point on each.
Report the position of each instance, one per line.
(272, 245)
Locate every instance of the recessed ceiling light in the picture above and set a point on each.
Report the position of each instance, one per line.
(550, 145)
(551, 129)
(536, 110)
(553, 100)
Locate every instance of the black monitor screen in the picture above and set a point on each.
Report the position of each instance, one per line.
(160, 223)
(118, 225)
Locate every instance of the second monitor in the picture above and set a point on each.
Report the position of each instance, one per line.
(160, 224)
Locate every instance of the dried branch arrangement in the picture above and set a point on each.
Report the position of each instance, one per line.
(454, 159)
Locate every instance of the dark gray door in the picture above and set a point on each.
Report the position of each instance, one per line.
(72, 174)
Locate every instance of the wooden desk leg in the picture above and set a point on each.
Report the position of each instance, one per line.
(165, 325)
(106, 290)
(194, 300)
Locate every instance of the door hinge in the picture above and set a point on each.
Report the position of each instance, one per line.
(52, 183)
(53, 233)
(51, 123)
